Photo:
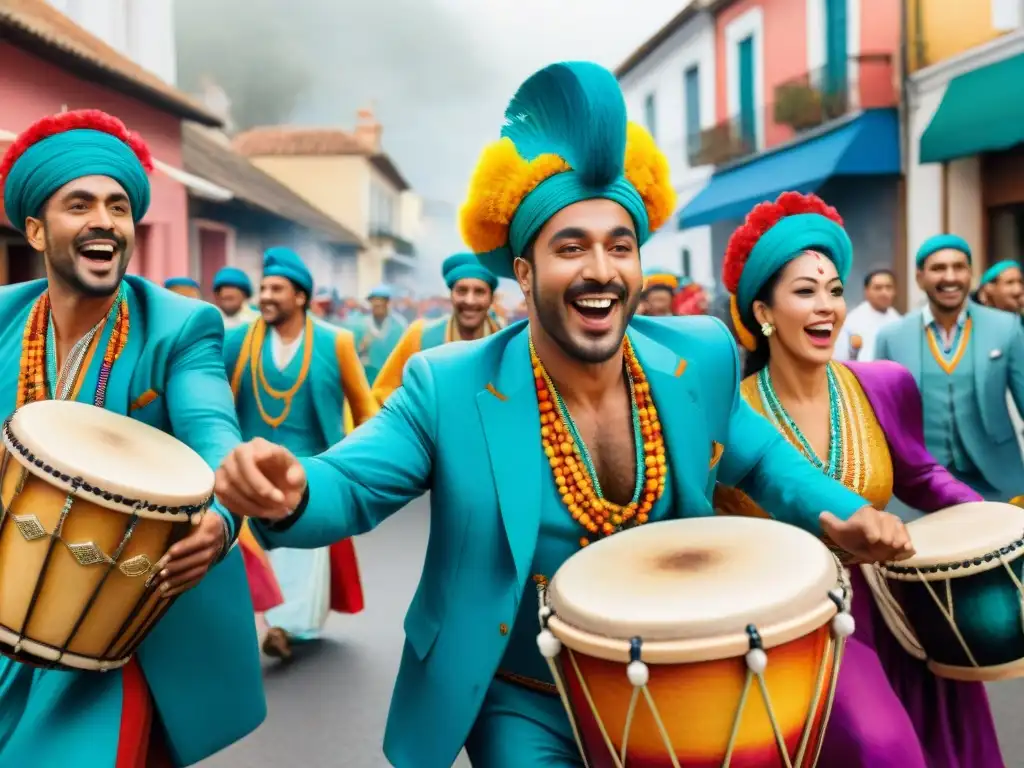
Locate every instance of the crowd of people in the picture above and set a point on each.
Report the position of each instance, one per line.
(618, 403)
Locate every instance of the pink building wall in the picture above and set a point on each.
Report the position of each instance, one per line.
(31, 88)
(785, 55)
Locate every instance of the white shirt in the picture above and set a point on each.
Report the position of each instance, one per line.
(244, 316)
(864, 321)
(283, 351)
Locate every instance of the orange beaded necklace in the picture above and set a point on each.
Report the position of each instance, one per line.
(573, 472)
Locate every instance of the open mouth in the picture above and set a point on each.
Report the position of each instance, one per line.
(948, 291)
(98, 253)
(820, 334)
(595, 311)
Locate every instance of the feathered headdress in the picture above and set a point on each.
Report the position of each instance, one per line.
(566, 138)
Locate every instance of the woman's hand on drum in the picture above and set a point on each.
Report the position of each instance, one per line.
(187, 562)
(869, 535)
(262, 480)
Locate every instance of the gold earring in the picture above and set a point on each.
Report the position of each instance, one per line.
(767, 329)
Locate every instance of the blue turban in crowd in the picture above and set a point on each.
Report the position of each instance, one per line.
(181, 282)
(992, 273)
(937, 243)
(380, 292)
(286, 263)
(232, 277)
(72, 153)
(572, 141)
(466, 265)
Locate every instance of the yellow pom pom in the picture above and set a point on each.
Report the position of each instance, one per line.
(745, 337)
(647, 169)
(500, 182)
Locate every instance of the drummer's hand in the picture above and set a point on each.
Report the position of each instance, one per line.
(869, 535)
(187, 562)
(262, 480)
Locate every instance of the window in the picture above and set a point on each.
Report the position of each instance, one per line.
(684, 257)
(691, 100)
(382, 210)
(651, 114)
(748, 108)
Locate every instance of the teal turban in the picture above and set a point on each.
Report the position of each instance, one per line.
(284, 262)
(785, 241)
(181, 282)
(992, 273)
(380, 292)
(575, 111)
(466, 265)
(937, 243)
(52, 162)
(232, 277)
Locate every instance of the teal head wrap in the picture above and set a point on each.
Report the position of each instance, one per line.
(992, 273)
(785, 241)
(937, 243)
(380, 292)
(574, 111)
(284, 262)
(232, 277)
(466, 265)
(181, 282)
(52, 162)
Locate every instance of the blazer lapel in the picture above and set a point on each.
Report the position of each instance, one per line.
(687, 443)
(126, 369)
(980, 347)
(508, 411)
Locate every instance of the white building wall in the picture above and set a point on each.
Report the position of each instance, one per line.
(662, 74)
(142, 30)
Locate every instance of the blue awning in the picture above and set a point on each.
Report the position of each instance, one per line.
(868, 145)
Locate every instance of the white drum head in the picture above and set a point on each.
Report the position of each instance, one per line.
(125, 458)
(697, 581)
(960, 533)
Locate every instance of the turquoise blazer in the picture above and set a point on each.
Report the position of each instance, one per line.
(464, 427)
(334, 374)
(201, 662)
(997, 346)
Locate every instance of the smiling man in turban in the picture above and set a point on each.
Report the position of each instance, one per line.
(544, 437)
(76, 185)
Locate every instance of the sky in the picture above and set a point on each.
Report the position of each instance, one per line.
(438, 73)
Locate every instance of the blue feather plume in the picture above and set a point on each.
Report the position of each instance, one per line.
(574, 110)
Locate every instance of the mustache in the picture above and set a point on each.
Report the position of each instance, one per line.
(584, 287)
(100, 234)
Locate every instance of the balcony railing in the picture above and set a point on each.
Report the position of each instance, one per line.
(400, 245)
(798, 105)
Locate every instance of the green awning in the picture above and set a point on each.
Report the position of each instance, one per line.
(981, 111)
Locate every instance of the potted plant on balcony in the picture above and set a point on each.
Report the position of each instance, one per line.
(798, 105)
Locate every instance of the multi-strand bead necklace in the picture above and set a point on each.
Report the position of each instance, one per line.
(38, 371)
(574, 471)
(778, 414)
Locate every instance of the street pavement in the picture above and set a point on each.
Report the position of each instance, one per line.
(327, 708)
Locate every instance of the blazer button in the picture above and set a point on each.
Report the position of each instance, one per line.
(503, 628)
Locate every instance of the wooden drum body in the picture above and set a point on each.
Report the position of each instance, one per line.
(698, 643)
(91, 502)
(959, 602)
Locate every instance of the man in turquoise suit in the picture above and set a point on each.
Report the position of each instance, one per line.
(232, 293)
(76, 184)
(291, 376)
(964, 357)
(379, 332)
(472, 288)
(649, 413)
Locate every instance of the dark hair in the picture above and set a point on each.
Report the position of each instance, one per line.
(876, 272)
(758, 358)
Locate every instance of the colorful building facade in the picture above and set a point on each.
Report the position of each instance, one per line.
(965, 126)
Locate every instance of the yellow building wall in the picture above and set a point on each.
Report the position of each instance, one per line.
(338, 186)
(940, 29)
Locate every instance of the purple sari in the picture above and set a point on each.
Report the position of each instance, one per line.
(884, 696)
